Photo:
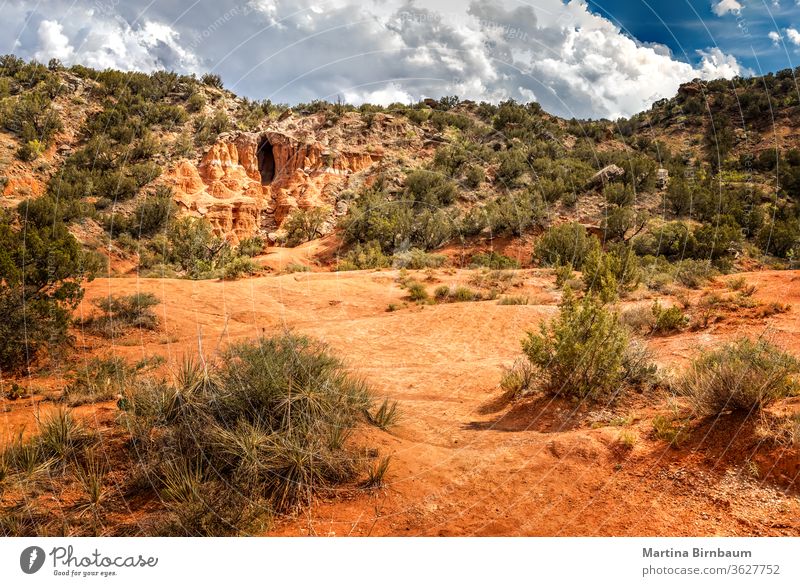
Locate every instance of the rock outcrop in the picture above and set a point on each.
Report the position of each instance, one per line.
(248, 182)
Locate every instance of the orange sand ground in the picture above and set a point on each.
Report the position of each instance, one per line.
(464, 462)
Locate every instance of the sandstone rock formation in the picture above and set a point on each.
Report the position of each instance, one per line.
(248, 182)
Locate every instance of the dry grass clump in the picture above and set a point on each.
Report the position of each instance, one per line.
(122, 313)
(253, 436)
(743, 376)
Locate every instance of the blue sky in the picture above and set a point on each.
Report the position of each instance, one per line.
(687, 25)
(581, 58)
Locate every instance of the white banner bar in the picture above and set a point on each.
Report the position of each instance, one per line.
(382, 561)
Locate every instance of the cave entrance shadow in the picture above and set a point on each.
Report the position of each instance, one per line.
(266, 161)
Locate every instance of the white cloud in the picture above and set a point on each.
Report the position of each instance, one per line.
(385, 96)
(574, 62)
(775, 37)
(723, 7)
(53, 43)
(793, 35)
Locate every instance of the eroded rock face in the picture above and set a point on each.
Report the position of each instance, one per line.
(247, 183)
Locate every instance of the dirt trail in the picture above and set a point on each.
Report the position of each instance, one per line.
(463, 462)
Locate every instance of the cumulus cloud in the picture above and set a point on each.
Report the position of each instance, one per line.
(574, 62)
(793, 35)
(723, 7)
(775, 37)
(53, 43)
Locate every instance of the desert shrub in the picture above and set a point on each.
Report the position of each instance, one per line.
(619, 221)
(196, 102)
(742, 375)
(417, 291)
(669, 429)
(611, 273)
(363, 256)
(31, 118)
(206, 129)
(474, 176)
(150, 216)
(269, 422)
(512, 166)
(565, 243)
(668, 319)
(101, 379)
(31, 150)
(518, 378)
(123, 312)
(679, 197)
(513, 300)
(673, 240)
(58, 439)
(639, 319)
(304, 225)
(250, 247)
(511, 213)
(781, 237)
(456, 294)
(238, 267)
(385, 416)
(581, 352)
(396, 223)
(493, 260)
(430, 188)
(618, 194)
(693, 273)
(41, 269)
(418, 259)
(211, 80)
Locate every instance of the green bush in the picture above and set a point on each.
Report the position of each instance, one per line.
(581, 352)
(417, 291)
(100, 379)
(474, 176)
(611, 273)
(743, 376)
(41, 270)
(512, 166)
(304, 225)
(238, 267)
(693, 273)
(430, 188)
(669, 319)
(563, 244)
(511, 213)
(252, 246)
(363, 256)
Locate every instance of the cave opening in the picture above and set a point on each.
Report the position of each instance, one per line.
(266, 161)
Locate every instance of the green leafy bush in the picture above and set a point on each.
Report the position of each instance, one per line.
(581, 352)
(668, 319)
(41, 270)
(430, 188)
(563, 244)
(304, 225)
(611, 273)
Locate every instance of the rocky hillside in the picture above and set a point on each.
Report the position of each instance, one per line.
(120, 156)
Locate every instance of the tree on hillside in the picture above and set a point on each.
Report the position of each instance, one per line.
(41, 269)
